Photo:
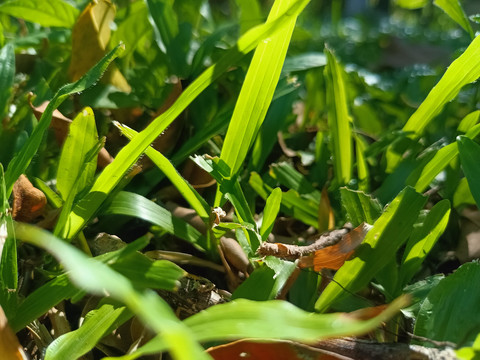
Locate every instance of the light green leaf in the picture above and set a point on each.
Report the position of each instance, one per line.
(271, 320)
(97, 278)
(360, 207)
(287, 176)
(97, 324)
(7, 73)
(46, 13)
(81, 138)
(257, 90)
(449, 311)
(468, 121)
(338, 120)
(113, 173)
(411, 4)
(464, 70)
(423, 239)
(379, 247)
(185, 189)
(270, 212)
(469, 153)
(22, 159)
(453, 8)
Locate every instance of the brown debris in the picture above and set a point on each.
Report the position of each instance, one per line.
(28, 201)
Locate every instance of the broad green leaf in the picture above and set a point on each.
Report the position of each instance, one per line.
(270, 320)
(360, 207)
(411, 4)
(338, 120)
(8, 254)
(303, 62)
(46, 13)
(126, 203)
(449, 311)
(113, 173)
(81, 138)
(468, 121)
(423, 239)
(379, 247)
(257, 90)
(97, 324)
(469, 353)
(463, 195)
(97, 278)
(270, 212)
(7, 73)
(185, 189)
(250, 14)
(464, 70)
(41, 300)
(453, 8)
(469, 152)
(22, 159)
(265, 282)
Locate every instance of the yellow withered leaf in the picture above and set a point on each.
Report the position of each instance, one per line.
(90, 38)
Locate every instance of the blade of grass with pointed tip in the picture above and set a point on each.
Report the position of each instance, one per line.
(113, 173)
(270, 212)
(257, 91)
(97, 324)
(338, 120)
(379, 247)
(131, 204)
(455, 11)
(20, 162)
(423, 239)
(7, 73)
(469, 153)
(274, 319)
(287, 176)
(185, 189)
(46, 13)
(97, 278)
(8, 254)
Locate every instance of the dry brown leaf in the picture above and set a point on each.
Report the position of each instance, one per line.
(326, 218)
(28, 201)
(90, 36)
(10, 348)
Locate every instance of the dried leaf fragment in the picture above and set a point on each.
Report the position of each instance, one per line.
(28, 201)
(10, 348)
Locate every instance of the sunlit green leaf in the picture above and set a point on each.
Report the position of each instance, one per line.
(454, 9)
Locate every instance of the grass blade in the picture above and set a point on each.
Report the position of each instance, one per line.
(379, 248)
(469, 152)
(270, 212)
(113, 173)
(7, 73)
(338, 120)
(257, 91)
(20, 162)
(455, 11)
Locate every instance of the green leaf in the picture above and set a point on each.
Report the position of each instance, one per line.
(46, 13)
(8, 254)
(449, 313)
(126, 203)
(464, 70)
(113, 173)
(423, 239)
(455, 11)
(287, 176)
(338, 120)
(379, 247)
(265, 282)
(22, 159)
(257, 90)
(270, 320)
(7, 73)
(411, 4)
(81, 138)
(185, 189)
(270, 212)
(250, 14)
(97, 324)
(469, 152)
(360, 207)
(97, 278)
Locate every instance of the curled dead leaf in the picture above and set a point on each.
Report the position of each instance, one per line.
(28, 201)
(10, 348)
